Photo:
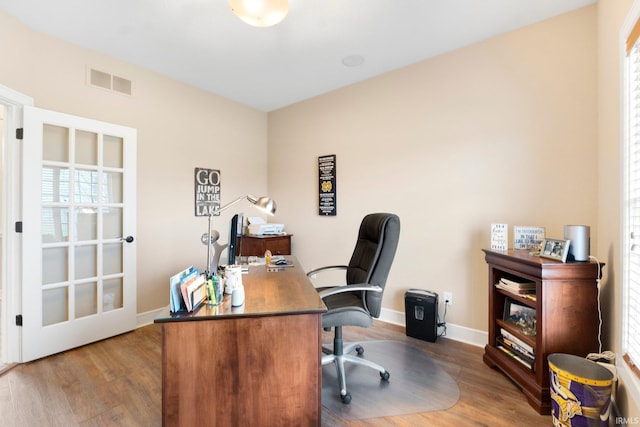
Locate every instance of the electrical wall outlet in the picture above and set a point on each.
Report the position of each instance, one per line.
(448, 298)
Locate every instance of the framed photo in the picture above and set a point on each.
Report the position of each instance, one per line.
(555, 249)
(520, 316)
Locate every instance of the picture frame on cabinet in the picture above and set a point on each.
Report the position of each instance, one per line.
(520, 316)
(555, 249)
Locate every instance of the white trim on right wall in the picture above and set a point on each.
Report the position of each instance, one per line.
(623, 372)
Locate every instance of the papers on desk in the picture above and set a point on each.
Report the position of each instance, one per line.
(187, 290)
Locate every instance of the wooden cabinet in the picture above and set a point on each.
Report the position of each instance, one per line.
(566, 310)
(252, 245)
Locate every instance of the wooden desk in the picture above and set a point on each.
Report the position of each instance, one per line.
(254, 365)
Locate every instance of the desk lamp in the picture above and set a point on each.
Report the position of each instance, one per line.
(265, 204)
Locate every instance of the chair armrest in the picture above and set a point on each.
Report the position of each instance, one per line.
(348, 288)
(322, 269)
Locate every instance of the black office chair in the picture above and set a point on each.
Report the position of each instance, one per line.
(360, 300)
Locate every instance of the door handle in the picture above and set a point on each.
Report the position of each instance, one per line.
(127, 239)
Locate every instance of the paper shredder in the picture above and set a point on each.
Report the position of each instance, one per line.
(421, 312)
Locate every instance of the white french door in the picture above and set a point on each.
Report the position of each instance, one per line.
(78, 229)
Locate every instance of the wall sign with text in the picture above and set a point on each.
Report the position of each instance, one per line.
(327, 190)
(207, 191)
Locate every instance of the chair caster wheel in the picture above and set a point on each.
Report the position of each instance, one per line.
(385, 375)
(359, 350)
(346, 398)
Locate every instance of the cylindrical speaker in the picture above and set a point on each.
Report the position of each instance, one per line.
(580, 242)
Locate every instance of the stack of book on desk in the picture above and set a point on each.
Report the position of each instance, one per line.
(187, 290)
(517, 286)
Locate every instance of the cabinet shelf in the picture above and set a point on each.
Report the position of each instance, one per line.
(522, 299)
(566, 301)
(528, 339)
(527, 365)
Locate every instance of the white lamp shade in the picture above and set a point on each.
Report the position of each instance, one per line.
(260, 13)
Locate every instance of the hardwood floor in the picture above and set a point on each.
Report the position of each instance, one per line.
(117, 382)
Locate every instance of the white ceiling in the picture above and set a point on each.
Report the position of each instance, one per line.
(202, 43)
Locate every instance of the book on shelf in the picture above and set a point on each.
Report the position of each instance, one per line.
(517, 286)
(515, 346)
(527, 349)
(524, 362)
(527, 293)
(517, 282)
(519, 351)
(516, 291)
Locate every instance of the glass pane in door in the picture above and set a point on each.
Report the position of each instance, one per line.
(54, 225)
(86, 296)
(112, 294)
(85, 186)
(55, 262)
(55, 143)
(112, 187)
(112, 223)
(55, 185)
(86, 224)
(55, 307)
(86, 148)
(86, 262)
(112, 259)
(112, 151)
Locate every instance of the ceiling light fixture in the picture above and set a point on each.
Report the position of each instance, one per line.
(353, 60)
(260, 13)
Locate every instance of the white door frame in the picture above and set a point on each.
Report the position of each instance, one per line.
(10, 279)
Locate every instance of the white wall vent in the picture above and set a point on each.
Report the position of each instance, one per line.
(110, 82)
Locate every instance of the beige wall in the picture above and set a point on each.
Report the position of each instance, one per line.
(501, 131)
(179, 128)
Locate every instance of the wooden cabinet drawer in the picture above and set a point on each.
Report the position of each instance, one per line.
(249, 245)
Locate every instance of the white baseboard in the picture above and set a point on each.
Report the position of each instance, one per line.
(147, 318)
(455, 332)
